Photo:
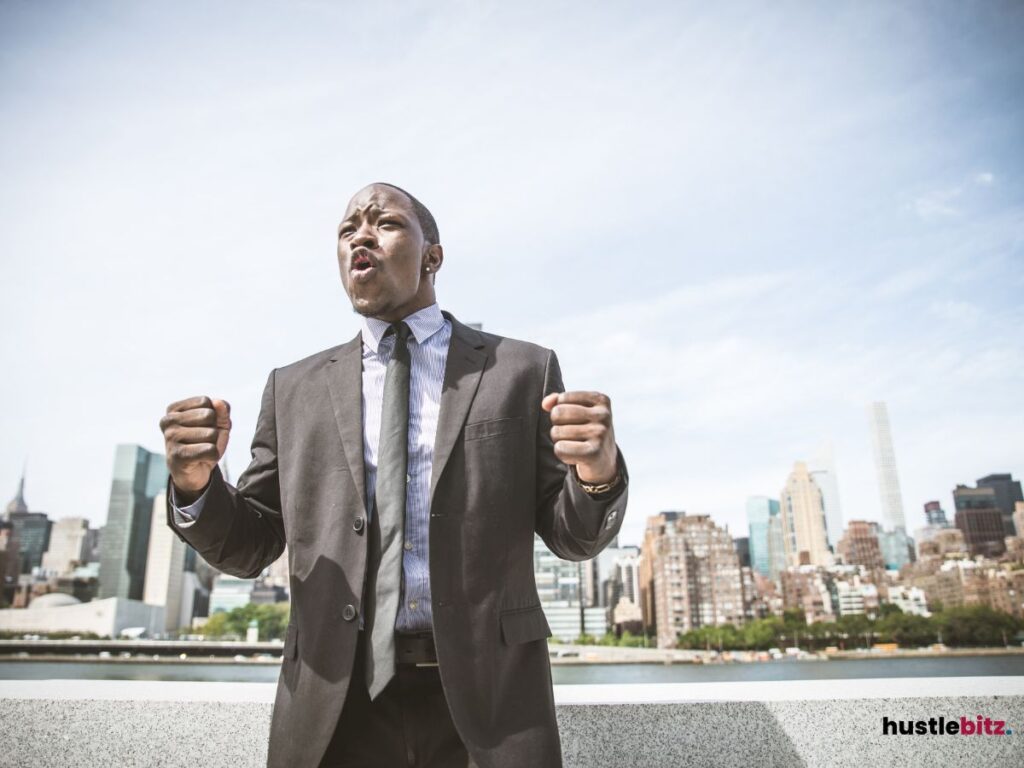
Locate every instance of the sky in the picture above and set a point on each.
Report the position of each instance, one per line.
(743, 222)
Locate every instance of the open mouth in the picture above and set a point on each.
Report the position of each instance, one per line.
(363, 266)
(361, 262)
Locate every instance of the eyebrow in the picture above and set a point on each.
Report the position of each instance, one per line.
(381, 211)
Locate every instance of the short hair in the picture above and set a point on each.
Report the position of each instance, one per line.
(423, 215)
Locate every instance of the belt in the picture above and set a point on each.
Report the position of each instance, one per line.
(416, 648)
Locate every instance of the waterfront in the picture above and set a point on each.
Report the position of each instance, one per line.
(575, 674)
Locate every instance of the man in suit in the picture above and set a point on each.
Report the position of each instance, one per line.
(408, 470)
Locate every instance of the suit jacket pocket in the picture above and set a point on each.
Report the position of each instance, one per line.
(493, 427)
(291, 643)
(524, 624)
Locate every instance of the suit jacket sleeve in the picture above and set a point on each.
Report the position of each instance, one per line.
(241, 530)
(574, 525)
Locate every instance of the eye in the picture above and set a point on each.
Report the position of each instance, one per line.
(346, 231)
(390, 223)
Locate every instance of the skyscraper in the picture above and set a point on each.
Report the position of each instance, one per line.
(561, 596)
(17, 504)
(776, 547)
(897, 548)
(1008, 492)
(885, 468)
(860, 546)
(697, 577)
(803, 520)
(935, 514)
(823, 470)
(139, 475)
(29, 534)
(67, 545)
(980, 519)
(165, 569)
(657, 525)
(760, 511)
(742, 544)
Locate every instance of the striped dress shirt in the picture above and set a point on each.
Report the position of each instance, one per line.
(428, 346)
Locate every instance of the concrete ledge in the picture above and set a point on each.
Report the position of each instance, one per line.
(796, 723)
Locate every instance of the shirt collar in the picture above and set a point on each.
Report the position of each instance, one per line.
(423, 323)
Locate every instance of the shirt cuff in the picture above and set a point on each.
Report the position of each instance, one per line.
(187, 516)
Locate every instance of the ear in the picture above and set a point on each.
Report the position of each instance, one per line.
(433, 258)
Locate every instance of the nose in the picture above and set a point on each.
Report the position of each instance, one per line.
(364, 237)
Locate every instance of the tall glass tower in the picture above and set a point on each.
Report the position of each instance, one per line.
(139, 475)
(760, 511)
(885, 468)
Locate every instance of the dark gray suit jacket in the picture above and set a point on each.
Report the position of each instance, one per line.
(495, 481)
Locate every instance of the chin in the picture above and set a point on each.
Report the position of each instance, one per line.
(369, 307)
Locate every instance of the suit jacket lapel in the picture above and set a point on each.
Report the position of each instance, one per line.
(463, 369)
(344, 374)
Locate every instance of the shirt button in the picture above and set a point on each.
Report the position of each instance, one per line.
(408, 546)
(357, 524)
(413, 605)
(349, 612)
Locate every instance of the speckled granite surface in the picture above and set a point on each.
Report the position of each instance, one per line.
(123, 734)
(207, 725)
(776, 734)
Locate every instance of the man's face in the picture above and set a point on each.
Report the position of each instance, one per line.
(382, 255)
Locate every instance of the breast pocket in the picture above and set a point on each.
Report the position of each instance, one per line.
(482, 430)
(494, 458)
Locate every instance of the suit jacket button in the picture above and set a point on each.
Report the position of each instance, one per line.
(349, 612)
(357, 524)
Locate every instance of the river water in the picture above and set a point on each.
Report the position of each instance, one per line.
(837, 669)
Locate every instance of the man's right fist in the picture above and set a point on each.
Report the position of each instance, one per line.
(196, 434)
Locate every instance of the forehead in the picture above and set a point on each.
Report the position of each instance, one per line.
(379, 197)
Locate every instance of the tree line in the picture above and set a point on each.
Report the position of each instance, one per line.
(960, 626)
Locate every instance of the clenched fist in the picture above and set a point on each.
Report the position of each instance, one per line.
(196, 434)
(581, 429)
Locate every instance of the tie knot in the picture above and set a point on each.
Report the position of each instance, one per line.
(400, 329)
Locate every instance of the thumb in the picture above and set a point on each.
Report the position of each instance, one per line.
(550, 401)
(223, 410)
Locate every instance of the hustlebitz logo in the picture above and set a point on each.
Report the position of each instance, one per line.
(978, 725)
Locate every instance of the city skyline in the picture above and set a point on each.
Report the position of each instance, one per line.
(739, 526)
(688, 573)
(741, 223)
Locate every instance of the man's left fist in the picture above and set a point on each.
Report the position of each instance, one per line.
(581, 429)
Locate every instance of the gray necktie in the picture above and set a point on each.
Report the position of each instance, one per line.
(388, 522)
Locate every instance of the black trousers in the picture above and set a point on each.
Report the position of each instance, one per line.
(407, 726)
